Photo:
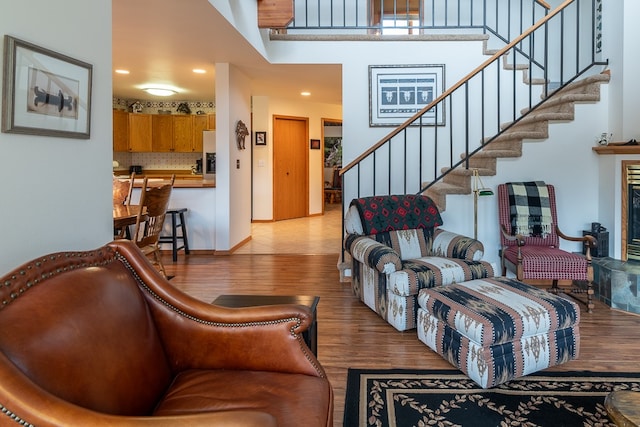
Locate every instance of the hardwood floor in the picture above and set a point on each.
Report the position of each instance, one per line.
(349, 333)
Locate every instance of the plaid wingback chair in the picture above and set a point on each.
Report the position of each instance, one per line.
(398, 248)
(531, 244)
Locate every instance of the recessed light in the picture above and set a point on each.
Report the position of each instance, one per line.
(159, 91)
(120, 71)
(199, 71)
(305, 93)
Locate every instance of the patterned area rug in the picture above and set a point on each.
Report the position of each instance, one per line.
(406, 398)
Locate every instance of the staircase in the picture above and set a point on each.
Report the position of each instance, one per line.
(490, 112)
(534, 125)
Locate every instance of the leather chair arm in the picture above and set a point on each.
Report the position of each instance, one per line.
(199, 335)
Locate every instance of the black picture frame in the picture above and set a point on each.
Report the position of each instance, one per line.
(261, 138)
(44, 92)
(314, 144)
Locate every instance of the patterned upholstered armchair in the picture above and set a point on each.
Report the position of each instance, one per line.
(397, 248)
(530, 240)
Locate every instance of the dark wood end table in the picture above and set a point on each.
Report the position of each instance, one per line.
(310, 335)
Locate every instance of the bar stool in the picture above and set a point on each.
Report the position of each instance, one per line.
(173, 238)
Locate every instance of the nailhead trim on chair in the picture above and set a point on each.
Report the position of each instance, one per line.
(219, 324)
(204, 322)
(46, 274)
(14, 417)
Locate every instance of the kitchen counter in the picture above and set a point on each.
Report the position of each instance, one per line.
(196, 194)
(183, 179)
(187, 183)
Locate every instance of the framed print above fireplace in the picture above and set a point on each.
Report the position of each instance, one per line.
(45, 92)
(397, 92)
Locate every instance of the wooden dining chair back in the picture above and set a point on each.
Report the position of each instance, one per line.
(122, 189)
(154, 202)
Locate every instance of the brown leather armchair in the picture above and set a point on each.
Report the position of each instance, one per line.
(100, 338)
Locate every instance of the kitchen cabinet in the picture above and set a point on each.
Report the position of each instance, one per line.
(120, 130)
(162, 132)
(200, 124)
(183, 134)
(173, 134)
(140, 132)
(137, 132)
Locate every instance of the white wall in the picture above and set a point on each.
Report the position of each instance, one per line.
(56, 192)
(264, 108)
(459, 58)
(233, 166)
(262, 161)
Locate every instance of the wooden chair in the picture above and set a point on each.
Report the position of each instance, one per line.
(535, 257)
(122, 189)
(333, 189)
(154, 201)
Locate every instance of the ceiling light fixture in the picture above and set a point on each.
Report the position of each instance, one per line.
(120, 71)
(305, 93)
(159, 91)
(199, 71)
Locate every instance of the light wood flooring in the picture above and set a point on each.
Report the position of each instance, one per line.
(300, 257)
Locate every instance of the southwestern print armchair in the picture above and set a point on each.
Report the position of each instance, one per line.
(397, 248)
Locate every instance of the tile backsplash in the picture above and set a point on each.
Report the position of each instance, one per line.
(180, 161)
(154, 107)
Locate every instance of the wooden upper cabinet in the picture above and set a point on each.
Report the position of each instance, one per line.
(183, 134)
(120, 130)
(140, 127)
(162, 133)
(274, 13)
(200, 124)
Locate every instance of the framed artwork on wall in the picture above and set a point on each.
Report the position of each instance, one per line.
(314, 144)
(45, 92)
(261, 138)
(397, 92)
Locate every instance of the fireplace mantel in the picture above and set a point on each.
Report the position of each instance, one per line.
(617, 149)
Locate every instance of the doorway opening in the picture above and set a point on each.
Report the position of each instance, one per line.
(332, 162)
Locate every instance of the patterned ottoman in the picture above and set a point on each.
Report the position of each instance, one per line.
(498, 329)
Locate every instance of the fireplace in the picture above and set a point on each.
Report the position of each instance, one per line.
(631, 211)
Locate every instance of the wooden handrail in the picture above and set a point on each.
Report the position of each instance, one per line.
(461, 82)
(543, 4)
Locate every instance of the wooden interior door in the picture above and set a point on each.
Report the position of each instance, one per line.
(290, 167)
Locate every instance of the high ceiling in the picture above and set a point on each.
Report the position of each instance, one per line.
(162, 41)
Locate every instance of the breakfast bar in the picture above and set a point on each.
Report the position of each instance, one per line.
(190, 191)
